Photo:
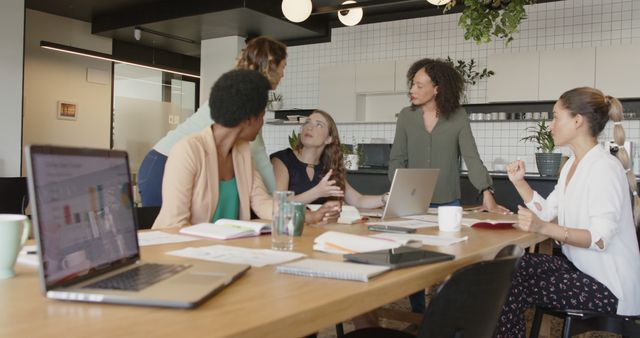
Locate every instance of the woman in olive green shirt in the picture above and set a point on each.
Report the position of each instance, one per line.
(434, 132)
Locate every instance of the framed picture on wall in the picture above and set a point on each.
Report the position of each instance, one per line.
(67, 110)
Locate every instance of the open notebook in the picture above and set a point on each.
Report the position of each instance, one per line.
(227, 229)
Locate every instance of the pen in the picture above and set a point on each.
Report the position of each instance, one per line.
(31, 252)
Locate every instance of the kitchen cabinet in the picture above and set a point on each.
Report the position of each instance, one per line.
(375, 77)
(618, 70)
(515, 79)
(337, 91)
(564, 69)
(402, 67)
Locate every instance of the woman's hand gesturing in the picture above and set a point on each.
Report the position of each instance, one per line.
(515, 171)
(327, 187)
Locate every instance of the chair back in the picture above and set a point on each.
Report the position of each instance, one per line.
(469, 303)
(145, 216)
(13, 195)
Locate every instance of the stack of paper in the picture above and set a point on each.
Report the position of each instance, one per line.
(424, 239)
(341, 243)
(146, 238)
(332, 269)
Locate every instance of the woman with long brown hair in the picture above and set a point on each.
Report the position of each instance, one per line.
(314, 170)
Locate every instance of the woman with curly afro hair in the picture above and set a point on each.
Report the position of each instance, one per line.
(314, 170)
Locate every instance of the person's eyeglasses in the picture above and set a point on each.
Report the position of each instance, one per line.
(315, 124)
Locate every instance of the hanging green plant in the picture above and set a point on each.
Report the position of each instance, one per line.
(482, 19)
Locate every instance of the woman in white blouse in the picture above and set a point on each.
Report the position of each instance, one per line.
(589, 212)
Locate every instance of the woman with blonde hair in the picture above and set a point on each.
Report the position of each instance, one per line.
(263, 54)
(314, 170)
(594, 203)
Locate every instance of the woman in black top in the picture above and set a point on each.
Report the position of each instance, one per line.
(314, 171)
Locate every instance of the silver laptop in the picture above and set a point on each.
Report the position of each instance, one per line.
(411, 192)
(85, 229)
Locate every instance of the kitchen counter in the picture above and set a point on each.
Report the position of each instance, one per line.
(370, 181)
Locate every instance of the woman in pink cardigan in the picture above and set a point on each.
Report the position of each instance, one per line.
(210, 175)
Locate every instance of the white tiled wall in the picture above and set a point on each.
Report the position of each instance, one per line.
(563, 24)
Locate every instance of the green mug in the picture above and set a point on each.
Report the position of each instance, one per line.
(14, 231)
(299, 209)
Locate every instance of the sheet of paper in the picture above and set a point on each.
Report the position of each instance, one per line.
(146, 238)
(410, 224)
(424, 218)
(425, 239)
(236, 255)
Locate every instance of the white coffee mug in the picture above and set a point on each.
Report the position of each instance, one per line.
(14, 230)
(449, 218)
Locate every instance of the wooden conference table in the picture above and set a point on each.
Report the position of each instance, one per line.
(262, 303)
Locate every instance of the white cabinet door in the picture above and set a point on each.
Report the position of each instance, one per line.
(564, 69)
(401, 75)
(337, 91)
(375, 77)
(516, 77)
(618, 70)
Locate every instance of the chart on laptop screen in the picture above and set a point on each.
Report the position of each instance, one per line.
(84, 212)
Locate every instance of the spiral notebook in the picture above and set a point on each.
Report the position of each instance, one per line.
(332, 269)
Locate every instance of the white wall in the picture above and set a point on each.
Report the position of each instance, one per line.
(51, 76)
(11, 67)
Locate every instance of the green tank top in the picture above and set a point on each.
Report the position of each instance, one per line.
(228, 201)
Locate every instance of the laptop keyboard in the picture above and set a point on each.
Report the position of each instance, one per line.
(139, 277)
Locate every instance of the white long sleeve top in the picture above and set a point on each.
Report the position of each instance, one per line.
(597, 199)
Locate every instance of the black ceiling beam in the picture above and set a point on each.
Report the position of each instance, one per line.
(159, 11)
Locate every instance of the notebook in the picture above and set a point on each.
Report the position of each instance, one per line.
(411, 192)
(85, 229)
(227, 229)
(331, 269)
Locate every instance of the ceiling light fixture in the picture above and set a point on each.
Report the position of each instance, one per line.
(352, 16)
(108, 57)
(438, 2)
(296, 10)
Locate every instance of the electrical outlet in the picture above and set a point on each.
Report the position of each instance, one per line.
(174, 119)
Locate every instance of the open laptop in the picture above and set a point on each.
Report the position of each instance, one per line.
(411, 192)
(85, 229)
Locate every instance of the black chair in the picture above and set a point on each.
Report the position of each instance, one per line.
(579, 321)
(145, 216)
(468, 304)
(13, 195)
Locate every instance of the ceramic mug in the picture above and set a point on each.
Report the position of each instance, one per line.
(14, 231)
(449, 218)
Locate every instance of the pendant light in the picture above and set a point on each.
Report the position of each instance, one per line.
(351, 16)
(439, 2)
(296, 10)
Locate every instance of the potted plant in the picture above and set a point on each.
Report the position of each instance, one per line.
(274, 102)
(470, 75)
(294, 140)
(547, 161)
(482, 19)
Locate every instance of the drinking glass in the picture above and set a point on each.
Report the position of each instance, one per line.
(281, 235)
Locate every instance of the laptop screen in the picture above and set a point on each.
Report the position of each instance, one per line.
(83, 211)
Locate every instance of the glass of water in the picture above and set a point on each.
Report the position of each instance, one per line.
(281, 230)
